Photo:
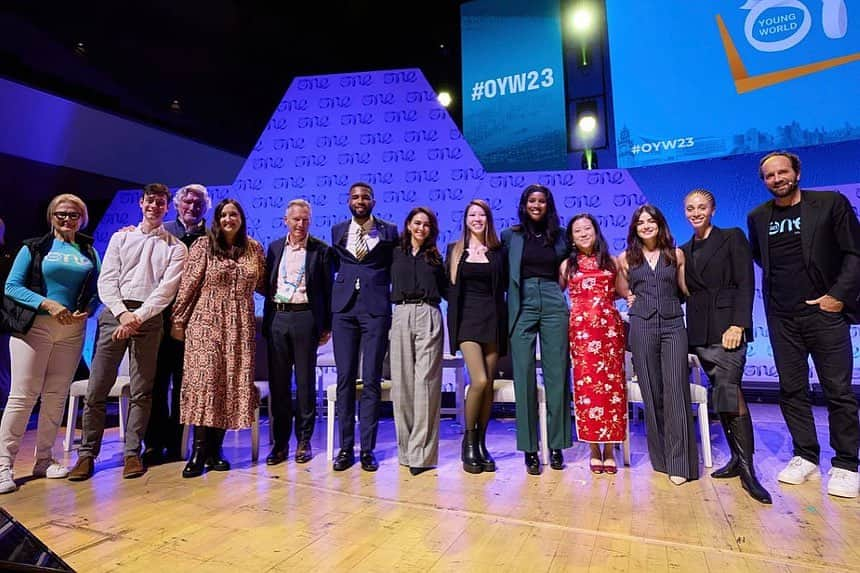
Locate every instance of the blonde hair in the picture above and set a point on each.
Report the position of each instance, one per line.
(74, 200)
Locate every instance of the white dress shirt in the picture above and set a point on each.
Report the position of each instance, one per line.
(145, 267)
(372, 237)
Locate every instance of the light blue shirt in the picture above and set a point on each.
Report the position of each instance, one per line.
(64, 268)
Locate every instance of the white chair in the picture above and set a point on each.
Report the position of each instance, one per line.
(503, 392)
(325, 364)
(121, 389)
(331, 399)
(698, 396)
(263, 389)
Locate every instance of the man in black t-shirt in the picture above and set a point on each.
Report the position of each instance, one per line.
(808, 246)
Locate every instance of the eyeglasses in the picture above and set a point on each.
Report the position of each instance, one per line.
(63, 215)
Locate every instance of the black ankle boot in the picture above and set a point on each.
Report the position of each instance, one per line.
(487, 462)
(742, 434)
(469, 454)
(196, 463)
(215, 457)
(729, 470)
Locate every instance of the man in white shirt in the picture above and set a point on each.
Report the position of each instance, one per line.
(140, 275)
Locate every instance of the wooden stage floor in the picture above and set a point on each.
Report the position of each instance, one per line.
(309, 518)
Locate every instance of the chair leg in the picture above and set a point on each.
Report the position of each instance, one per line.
(329, 435)
(123, 415)
(705, 431)
(626, 446)
(71, 422)
(544, 433)
(255, 436)
(183, 446)
(269, 410)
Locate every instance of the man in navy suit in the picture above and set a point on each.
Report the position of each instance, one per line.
(296, 320)
(361, 319)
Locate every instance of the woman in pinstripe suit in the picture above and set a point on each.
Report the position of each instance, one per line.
(652, 270)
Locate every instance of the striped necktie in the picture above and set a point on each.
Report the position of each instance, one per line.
(361, 248)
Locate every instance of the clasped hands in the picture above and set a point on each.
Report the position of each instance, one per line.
(62, 314)
(128, 325)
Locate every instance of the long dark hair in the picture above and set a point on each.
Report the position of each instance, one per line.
(550, 223)
(605, 262)
(491, 238)
(431, 252)
(665, 241)
(218, 246)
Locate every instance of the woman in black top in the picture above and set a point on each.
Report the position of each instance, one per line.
(719, 276)
(476, 322)
(535, 249)
(417, 338)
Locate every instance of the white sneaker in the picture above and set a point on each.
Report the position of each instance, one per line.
(50, 469)
(843, 483)
(7, 484)
(798, 471)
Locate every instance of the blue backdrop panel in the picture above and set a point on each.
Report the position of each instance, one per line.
(783, 73)
(513, 84)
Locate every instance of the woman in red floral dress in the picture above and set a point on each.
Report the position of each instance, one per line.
(596, 343)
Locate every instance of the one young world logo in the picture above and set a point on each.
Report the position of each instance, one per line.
(778, 25)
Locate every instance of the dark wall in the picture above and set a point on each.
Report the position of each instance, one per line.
(26, 188)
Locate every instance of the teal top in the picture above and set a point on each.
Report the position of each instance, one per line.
(64, 268)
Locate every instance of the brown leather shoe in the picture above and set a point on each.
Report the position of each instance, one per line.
(304, 453)
(133, 467)
(83, 470)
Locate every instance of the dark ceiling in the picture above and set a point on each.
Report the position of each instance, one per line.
(227, 62)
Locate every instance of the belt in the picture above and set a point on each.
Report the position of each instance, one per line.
(289, 307)
(418, 301)
(132, 304)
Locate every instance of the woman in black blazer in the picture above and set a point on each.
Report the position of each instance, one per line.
(719, 277)
(477, 322)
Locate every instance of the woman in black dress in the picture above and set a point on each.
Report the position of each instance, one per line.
(719, 277)
(476, 322)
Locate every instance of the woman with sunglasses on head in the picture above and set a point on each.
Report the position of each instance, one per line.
(652, 270)
(214, 314)
(477, 319)
(536, 308)
(417, 337)
(596, 342)
(719, 276)
(50, 292)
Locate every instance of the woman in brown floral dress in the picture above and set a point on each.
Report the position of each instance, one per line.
(214, 313)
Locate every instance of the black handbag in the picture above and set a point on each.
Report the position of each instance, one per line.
(15, 318)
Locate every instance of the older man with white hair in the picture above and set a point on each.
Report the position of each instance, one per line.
(164, 432)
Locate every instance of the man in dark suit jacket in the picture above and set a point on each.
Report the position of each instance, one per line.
(361, 319)
(808, 246)
(296, 320)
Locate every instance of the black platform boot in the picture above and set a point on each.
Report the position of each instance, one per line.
(742, 434)
(196, 463)
(215, 457)
(729, 470)
(469, 455)
(487, 462)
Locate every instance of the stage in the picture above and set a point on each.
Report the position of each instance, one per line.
(308, 518)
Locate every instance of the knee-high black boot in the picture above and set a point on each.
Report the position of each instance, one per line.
(742, 434)
(469, 454)
(729, 470)
(196, 462)
(215, 456)
(488, 464)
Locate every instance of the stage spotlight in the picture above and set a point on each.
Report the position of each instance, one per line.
(587, 123)
(444, 98)
(583, 18)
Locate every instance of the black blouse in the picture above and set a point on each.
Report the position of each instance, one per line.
(413, 278)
